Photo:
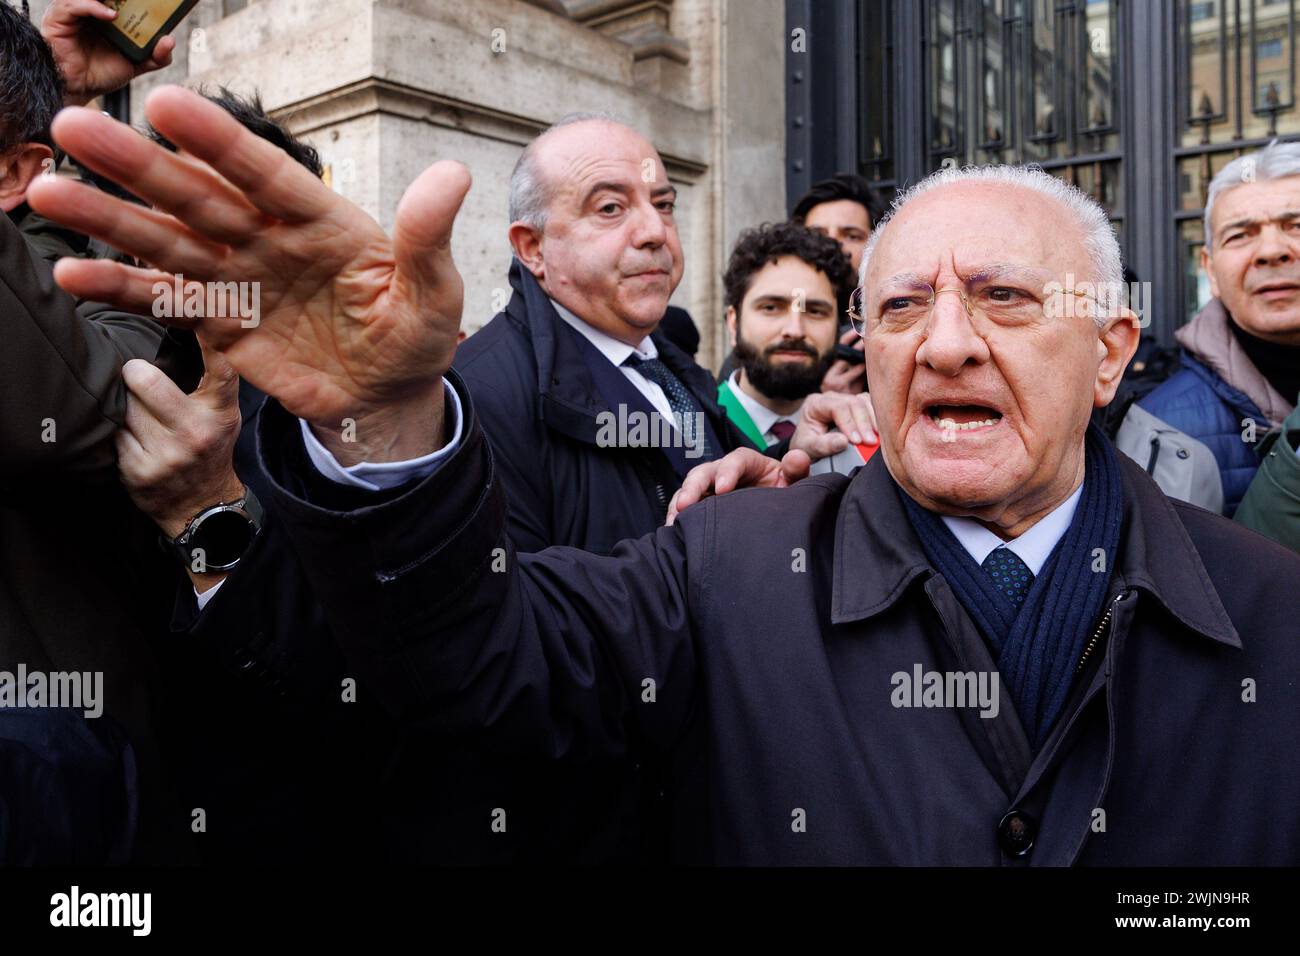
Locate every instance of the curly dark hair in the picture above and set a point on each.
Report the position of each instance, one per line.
(31, 88)
(766, 243)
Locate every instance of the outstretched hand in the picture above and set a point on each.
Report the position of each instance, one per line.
(352, 324)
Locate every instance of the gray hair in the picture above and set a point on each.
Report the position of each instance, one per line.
(1098, 236)
(530, 196)
(1274, 161)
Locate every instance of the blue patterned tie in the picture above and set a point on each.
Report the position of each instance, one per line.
(1010, 575)
(680, 400)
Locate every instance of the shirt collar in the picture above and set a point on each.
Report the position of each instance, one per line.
(1033, 547)
(762, 416)
(1156, 553)
(617, 352)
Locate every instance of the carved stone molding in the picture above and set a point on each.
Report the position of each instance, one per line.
(554, 6)
(644, 25)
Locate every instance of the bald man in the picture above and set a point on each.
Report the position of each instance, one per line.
(597, 257)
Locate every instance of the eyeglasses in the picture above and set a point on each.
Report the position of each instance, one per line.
(903, 305)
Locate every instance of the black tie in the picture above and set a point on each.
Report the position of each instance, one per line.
(1010, 574)
(680, 400)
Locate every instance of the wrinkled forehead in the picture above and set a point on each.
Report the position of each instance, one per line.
(963, 228)
(574, 158)
(1250, 203)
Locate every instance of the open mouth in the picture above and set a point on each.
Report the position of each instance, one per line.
(963, 417)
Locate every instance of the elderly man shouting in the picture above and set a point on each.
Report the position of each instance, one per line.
(996, 644)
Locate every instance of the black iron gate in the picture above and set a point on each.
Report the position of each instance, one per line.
(1137, 102)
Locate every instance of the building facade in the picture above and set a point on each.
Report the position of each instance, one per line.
(1137, 102)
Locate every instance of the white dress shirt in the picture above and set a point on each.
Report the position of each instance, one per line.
(617, 353)
(374, 476)
(1033, 547)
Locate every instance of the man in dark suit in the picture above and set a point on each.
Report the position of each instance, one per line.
(577, 350)
(594, 415)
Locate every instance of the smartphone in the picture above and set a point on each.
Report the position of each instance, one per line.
(849, 354)
(140, 24)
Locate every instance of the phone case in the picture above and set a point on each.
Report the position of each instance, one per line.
(140, 24)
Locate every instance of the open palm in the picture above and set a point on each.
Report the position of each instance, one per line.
(350, 321)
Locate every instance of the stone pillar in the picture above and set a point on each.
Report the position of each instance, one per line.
(645, 26)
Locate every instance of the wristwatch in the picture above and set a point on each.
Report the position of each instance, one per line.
(218, 536)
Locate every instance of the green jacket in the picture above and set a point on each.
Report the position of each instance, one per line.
(83, 584)
(1272, 502)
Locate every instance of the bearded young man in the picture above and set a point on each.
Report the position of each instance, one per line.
(786, 287)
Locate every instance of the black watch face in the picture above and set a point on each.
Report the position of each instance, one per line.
(223, 537)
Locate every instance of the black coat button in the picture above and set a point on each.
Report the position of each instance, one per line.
(1016, 833)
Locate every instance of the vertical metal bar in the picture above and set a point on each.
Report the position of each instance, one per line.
(1236, 19)
(1150, 178)
(798, 105)
(1182, 110)
(911, 129)
(1290, 43)
(961, 90)
(1254, 61)
(979, 41)
(846, 86)
(1223, 61)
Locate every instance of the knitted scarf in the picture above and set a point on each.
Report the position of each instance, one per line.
(1038, 647)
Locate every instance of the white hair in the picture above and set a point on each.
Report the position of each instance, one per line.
(1098, 236)
(1274, 161)
(530, 195)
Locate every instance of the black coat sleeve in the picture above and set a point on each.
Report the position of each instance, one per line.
(60, 370)
(557, 653)
(525, 470)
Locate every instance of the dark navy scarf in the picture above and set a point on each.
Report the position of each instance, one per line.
(1037, 649)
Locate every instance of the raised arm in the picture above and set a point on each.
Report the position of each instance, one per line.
(558, 653)
(355, 336)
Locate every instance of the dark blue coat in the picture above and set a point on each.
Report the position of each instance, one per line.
(753, 646)
(1200, 404)
(541, 388)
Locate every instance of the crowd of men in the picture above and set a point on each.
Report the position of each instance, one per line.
(886, 589)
